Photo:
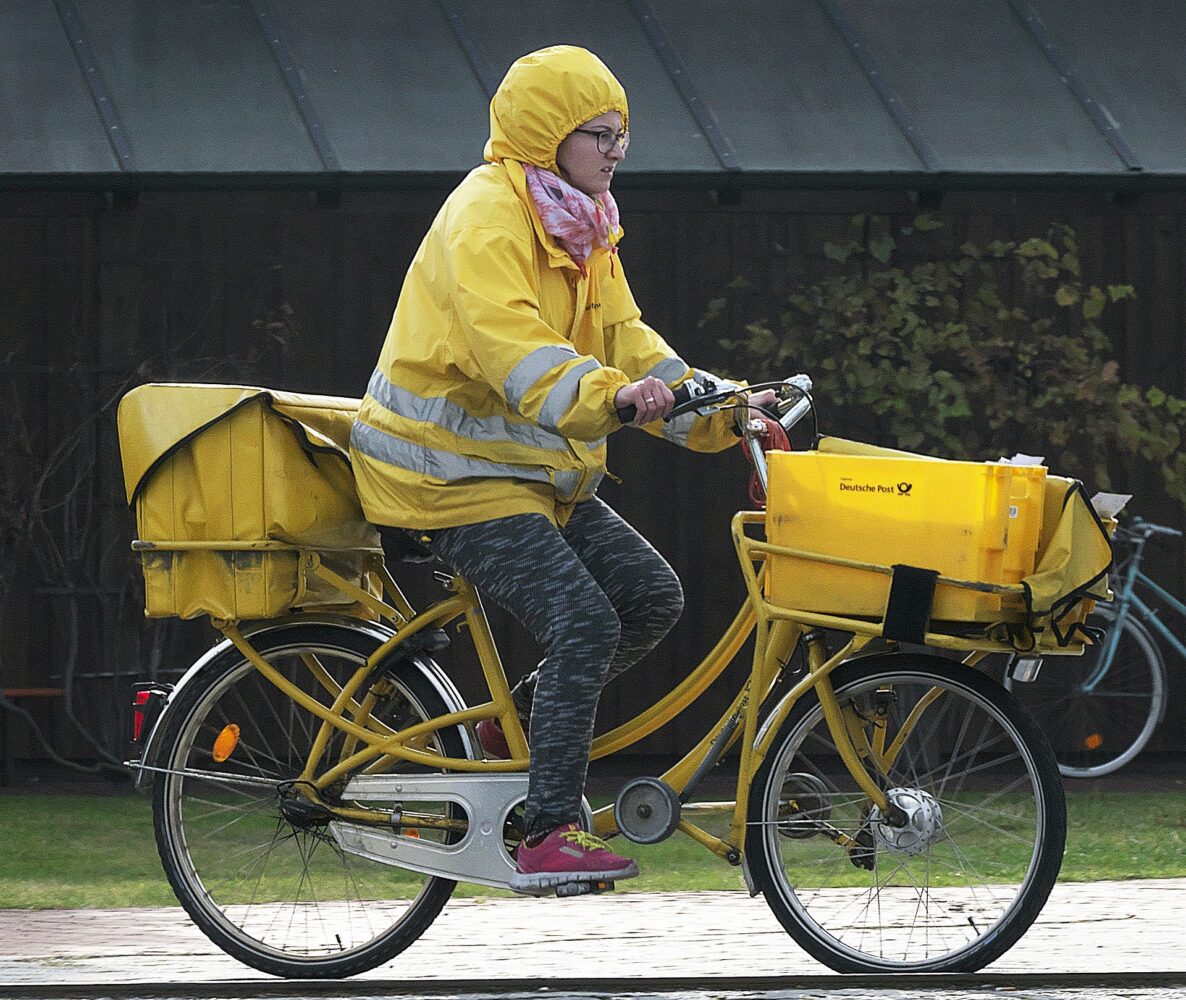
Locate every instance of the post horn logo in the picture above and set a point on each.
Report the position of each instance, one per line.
(904, 489)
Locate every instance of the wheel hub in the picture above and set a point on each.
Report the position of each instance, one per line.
(303, 814)
(918, 821)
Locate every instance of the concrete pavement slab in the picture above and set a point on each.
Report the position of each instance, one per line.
(1132, 926)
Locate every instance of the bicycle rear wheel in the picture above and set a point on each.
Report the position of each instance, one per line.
(958, 883)
(251, 859)
(1097, 732)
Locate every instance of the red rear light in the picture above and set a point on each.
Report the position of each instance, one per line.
(139, 700)
(148, 702)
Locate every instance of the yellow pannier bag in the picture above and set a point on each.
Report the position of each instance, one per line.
(219, 464)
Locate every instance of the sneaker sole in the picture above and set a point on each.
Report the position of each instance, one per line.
(541, 882)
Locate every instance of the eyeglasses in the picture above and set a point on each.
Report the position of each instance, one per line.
(607, 138)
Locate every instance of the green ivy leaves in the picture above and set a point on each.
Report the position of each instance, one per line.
(974, 351)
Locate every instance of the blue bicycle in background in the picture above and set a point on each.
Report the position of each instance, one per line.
(1101, 709)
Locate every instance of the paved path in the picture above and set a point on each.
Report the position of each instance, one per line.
(1087, 927)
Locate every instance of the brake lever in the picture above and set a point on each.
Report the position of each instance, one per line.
(703, 398)
(707, 396)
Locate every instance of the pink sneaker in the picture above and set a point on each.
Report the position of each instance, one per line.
(567, 855)
(493, 740)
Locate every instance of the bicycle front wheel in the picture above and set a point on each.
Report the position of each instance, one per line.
(1096, 726)
(951, 877)
(250, 857)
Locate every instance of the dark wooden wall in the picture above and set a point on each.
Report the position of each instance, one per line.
(277, 289)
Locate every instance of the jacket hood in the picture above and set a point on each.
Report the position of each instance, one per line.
(543, 97)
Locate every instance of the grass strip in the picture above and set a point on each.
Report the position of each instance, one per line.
(83, 851)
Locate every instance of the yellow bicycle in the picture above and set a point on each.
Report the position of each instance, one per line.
(318, 790)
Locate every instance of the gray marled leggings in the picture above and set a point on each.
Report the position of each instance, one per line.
(597, 597)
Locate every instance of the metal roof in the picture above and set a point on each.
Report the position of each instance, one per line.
(793, 93)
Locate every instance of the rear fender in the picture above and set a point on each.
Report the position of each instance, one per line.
(436, 676)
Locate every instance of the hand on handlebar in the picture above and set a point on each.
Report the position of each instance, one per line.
(706, 395)
(650, 397)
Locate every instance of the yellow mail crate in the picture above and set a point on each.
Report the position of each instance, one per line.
(231, 464)
(968, 520)
(1024, 521)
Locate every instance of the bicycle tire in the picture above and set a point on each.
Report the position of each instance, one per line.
(955, 888)
(1099, 732)
(263, 881)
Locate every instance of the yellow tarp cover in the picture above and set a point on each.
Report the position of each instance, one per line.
(155, 418)
(1074, 556)
(224, 463)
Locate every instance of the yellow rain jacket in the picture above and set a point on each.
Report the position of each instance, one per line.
(494, 391)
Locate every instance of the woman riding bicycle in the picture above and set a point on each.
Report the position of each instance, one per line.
(514, 342)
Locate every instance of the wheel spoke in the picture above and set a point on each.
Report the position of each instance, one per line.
(275, 888)
(210, 834)
(980, 835)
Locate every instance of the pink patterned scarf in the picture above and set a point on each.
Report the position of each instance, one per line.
(580, 224)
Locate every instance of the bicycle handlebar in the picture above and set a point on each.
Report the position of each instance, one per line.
(793, 405)
(693, 395)
(682, 395)
(1148, 529)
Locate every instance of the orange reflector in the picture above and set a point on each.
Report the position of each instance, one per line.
(1094, 741)
(226, 742)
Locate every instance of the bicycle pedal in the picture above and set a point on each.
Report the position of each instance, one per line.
(584, 888)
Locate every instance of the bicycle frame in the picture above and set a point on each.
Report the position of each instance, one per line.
(381, 746)
(1128, 601)
(372, 747)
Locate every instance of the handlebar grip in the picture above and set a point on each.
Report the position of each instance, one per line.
(627, 413)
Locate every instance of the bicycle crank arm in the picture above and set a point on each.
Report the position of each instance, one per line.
(862, 852)
(479, 855)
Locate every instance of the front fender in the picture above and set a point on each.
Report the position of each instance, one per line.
(777, 715)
